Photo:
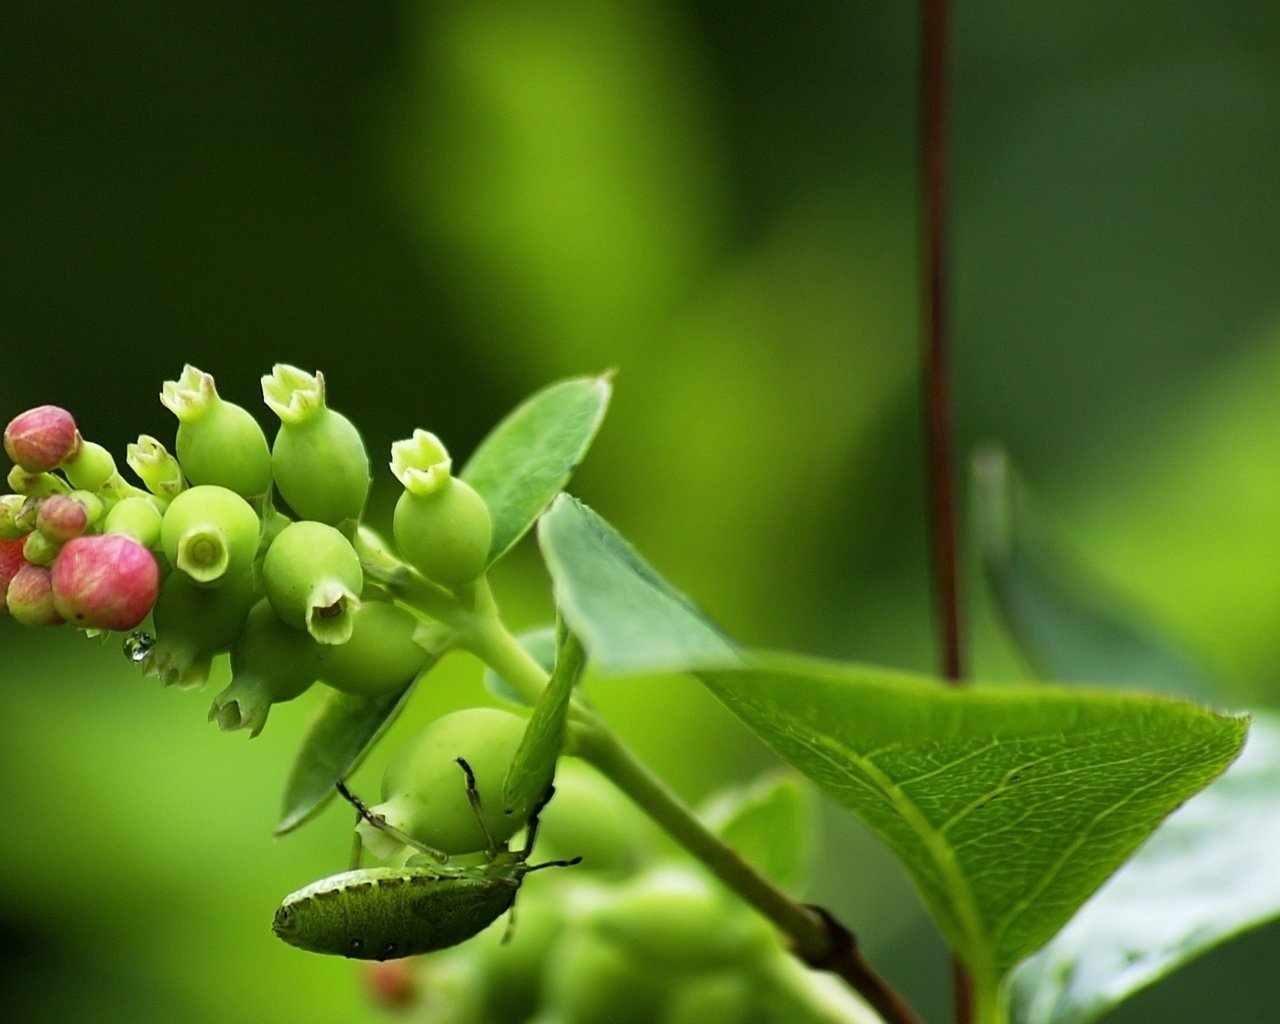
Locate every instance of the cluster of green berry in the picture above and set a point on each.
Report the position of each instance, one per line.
(234, 544)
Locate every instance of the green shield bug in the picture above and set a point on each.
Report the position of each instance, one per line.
(383, 913)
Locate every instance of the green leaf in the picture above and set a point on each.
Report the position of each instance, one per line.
(345, 728)
(1066, 622)
(772, 823)
(629, 617)
(534, 766)
(527, 459)
(1007, 806)
(1206, 875)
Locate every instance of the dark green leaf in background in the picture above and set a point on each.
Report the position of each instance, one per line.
(773, 824)
(527, 458)
(629, 618)
(1009, 806)
(1067, 624)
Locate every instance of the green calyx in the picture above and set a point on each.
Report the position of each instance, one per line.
(218, 442)
(441, 524)
(319, 460)
(210, 533)
(156, 467)
(270, 663)
(312, 577)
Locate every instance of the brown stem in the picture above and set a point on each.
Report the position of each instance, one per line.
(844, 959)
(936, 319)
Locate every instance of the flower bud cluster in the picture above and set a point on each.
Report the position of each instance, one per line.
(231, 544)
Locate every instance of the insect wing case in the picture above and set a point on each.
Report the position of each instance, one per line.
(383, 913)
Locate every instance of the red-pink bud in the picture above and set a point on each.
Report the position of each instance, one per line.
(392, 984)
(61, 517)
(42, 438)
(105, 581)
(11, 561)
(30, 596)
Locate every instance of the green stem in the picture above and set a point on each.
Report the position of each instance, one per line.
(990, 1003)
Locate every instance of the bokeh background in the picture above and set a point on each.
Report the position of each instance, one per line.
(445, 206)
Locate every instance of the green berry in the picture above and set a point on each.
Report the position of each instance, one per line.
(441, 524)
(91, 468)
(381, 656)
(312, 577)
(218, 442)
(210, 533)
(137, 518)
(589, 980)
(676, 919)
(318, 458)
(424, 789)
(194, 623)
(270, 663)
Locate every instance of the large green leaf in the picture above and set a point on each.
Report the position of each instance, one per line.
(1007, 806)
(629, 618)
(527, 458)
(1066, 622)
(1207, 874)
(345, 728)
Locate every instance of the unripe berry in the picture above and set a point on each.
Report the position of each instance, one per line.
(678, 920)
(441, 524)
(137, 518)
(194, 623)
(12, 509)
(105, 581)
(41, 439)
(29, 596)
(381, 655)
(218, 442)
(424, 789)
(38, 549)
(312, 575)
(270, 663)
(91, 468)
(590, 980)
(318, 458)
(210, 533)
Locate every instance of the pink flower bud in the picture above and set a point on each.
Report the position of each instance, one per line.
(61, 517)
(105, 581)
(41, 439)
(30, 596)
(11, 561)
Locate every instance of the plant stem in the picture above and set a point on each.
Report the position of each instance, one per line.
(935, 26)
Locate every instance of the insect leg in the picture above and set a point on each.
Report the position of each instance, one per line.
(379, 822)
(473, 797)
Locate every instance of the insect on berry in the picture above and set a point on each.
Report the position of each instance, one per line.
(383, 913)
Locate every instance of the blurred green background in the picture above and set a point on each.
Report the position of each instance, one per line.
(445, 206)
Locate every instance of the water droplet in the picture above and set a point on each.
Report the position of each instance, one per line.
(137, 645)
